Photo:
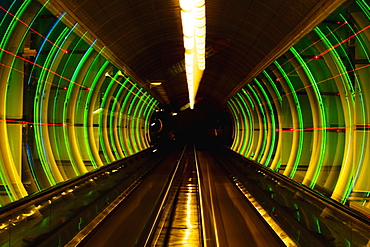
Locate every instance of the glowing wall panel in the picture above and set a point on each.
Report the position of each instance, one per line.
(311, 107)
(65, 108)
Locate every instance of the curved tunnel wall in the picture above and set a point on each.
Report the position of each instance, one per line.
(65, 108)
(307, 115)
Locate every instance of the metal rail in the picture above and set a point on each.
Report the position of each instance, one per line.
(70, 203)
(152, 236)
(200, 190)
(182, 197)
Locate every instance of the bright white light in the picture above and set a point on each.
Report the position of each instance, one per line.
(97, 111)
(156, 83)
(194, 29)
(187, 5)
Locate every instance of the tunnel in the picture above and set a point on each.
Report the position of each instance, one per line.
(84, 84)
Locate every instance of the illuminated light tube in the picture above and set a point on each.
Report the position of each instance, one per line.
(97, 111)
(156, 83)
(194, 30)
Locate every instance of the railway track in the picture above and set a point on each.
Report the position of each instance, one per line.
(187, 200)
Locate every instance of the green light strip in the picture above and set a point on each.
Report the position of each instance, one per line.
(235, 128)
(235, 110)
(152, 109)
(5, 15)
(247, 118)
(41, 105)
(358, 39)
(357, 94)
(270, 84)
(126, 145)
(53, 104)
(244, 130)
(103, 132)
(43, 142)
(242, 127)
(364, 7)
(293, 161)
(272, 133)
(344, 183)
(359, 89)
(92, 147)
(147, 113)
(63, 36)
(260, 147)
(139, 109)
(68, 111)
(53, 173)
(131, 122)
(248, 103)
(39, 114)
(11, 26)
(338, 62)
(90, 74)
(9, 175)
(114, 119)
(314, 168)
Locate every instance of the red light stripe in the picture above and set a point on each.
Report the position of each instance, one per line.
(28, 61)
(345, 40)
(6, 66)
(314, 43)
(334, 128)
(323, 53)
(25, 122)
(33, 30)
(327, 79)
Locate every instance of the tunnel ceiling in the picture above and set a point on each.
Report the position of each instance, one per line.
(243, 37)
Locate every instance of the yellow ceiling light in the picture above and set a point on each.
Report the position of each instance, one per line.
(193, 15)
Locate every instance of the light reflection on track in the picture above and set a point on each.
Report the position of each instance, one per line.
(228, 219)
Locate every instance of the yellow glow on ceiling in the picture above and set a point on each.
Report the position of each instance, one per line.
(193, 17)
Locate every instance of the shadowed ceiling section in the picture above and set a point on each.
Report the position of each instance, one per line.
(242, 38)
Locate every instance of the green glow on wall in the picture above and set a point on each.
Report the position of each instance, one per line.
(241, 125)
(236, 126)
(58, 62)
(344, 184)
(290, 171)
(247, 124)
(45, 157)
(364, 7)
(273, 125)
(149, 109)
(358, 93)
(12, 184)
(322, 117)
(103, 132)
(113, 118)
(127, 148)
(251, 107)
(138, 110)
(75, 162)
(131, 124)
(264, 123)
